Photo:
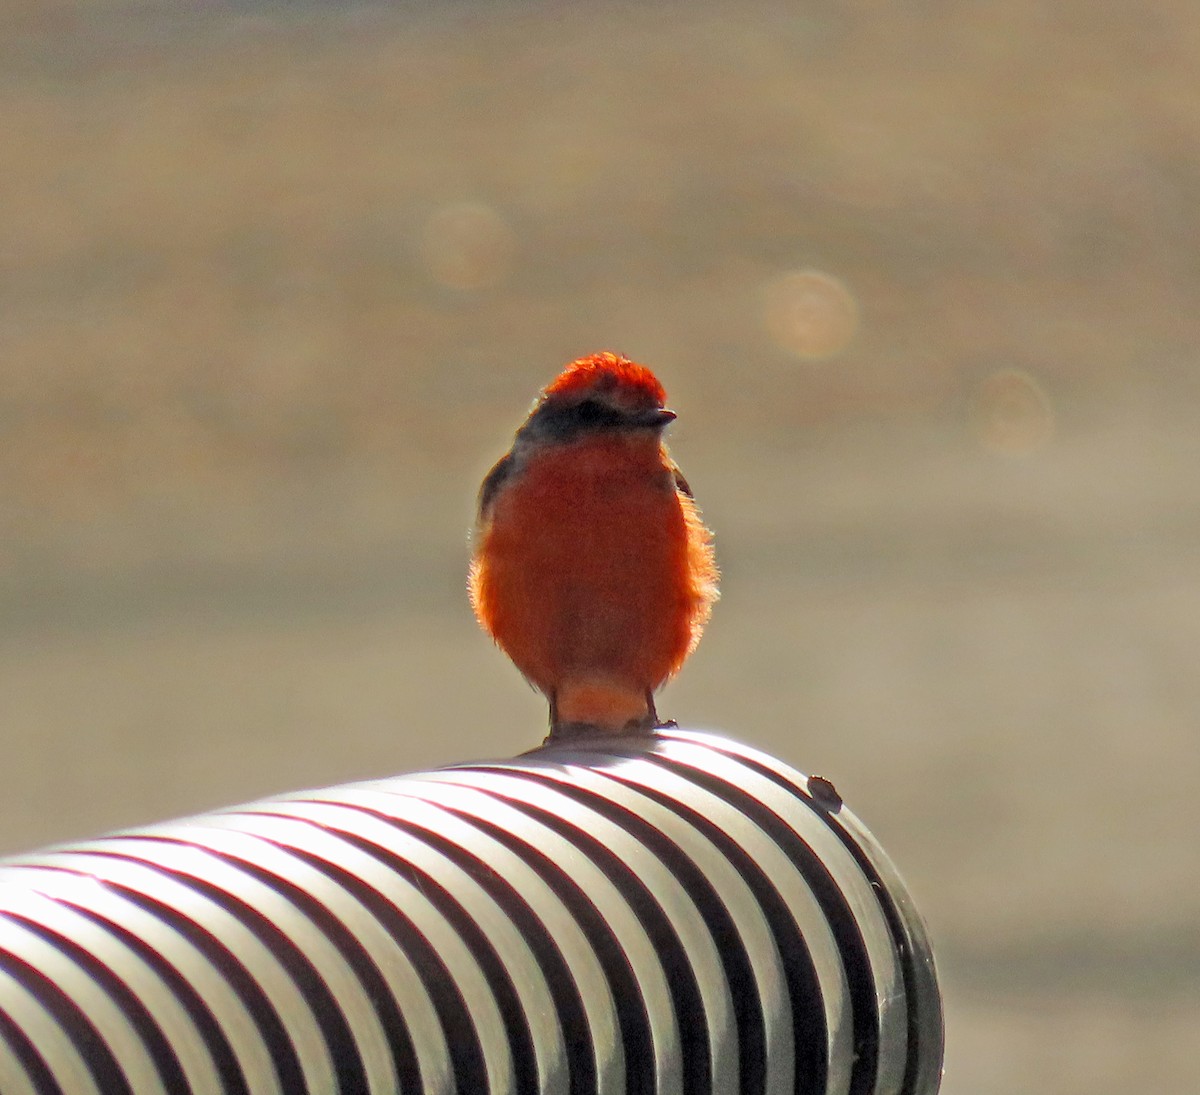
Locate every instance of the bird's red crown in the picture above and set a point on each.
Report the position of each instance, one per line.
(608, 371)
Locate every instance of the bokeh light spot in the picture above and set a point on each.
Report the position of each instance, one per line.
(1011, 413)
(810, 314)
(468, 246)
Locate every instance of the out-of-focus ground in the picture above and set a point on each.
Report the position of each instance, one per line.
(922, 281)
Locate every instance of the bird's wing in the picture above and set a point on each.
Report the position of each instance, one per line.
(492, 482)
(681, 484)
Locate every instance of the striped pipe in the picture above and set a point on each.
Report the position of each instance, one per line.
(666, 915)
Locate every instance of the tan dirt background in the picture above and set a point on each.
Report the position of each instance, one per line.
(923, 280)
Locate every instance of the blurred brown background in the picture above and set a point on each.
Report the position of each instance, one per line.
(922, 280)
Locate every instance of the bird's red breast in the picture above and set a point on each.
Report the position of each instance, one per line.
(592, 569)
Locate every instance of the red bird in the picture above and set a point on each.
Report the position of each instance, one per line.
(592, 569)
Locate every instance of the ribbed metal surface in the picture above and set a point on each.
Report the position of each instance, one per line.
(678, 915)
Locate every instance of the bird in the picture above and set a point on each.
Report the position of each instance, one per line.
(591, 566)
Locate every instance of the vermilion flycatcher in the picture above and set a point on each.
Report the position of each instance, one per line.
(592, 569)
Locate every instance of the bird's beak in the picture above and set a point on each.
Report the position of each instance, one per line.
(660, 417)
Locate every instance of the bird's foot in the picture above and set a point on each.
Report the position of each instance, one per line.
(575, 731)
(591, 731)
(650, 721)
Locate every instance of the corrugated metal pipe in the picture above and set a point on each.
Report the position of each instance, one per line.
(673, 914)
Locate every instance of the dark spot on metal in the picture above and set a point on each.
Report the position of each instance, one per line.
(824, 793)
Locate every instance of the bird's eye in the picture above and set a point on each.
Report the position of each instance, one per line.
(590, 411)
(567, 420)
